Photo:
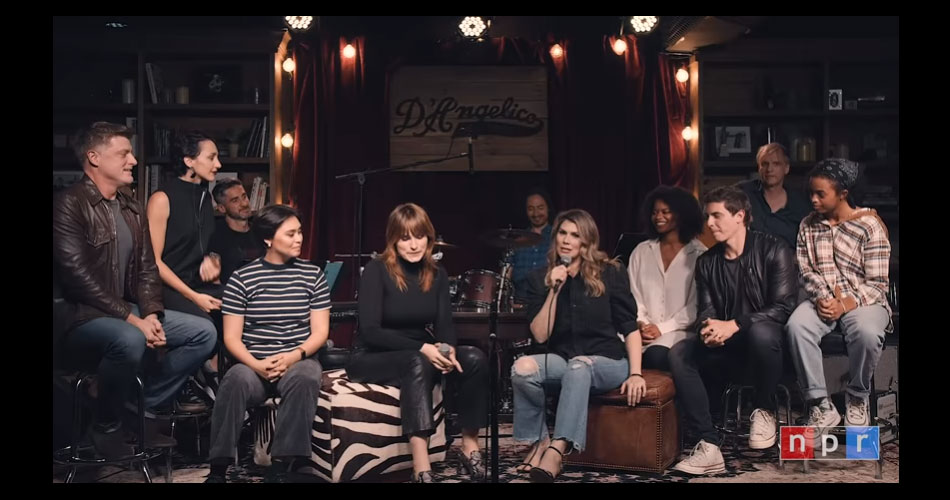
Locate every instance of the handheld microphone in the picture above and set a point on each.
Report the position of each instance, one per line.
(445, 350)
(565, 261)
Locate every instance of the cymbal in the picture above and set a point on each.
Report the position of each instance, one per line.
(439, 242)
(510, 238)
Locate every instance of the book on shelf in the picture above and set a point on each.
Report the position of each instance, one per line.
(262, 196)
(64, 178)
(155, 81)
(155, 178)
(132, 123)
(250, 139)
(255, 192)
(263, 143)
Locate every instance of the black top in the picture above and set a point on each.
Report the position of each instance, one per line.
(760, 285)
(584, 325)
(783, 223)
(235, 248)
(393, 320)
(188, 233)
(734, 298)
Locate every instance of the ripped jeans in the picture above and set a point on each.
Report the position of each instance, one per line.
(576, 380)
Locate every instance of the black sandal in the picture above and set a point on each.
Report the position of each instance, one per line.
(539, 475)
(526, 465)
(423, 477)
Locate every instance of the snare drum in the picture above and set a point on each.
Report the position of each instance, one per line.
(477, 289)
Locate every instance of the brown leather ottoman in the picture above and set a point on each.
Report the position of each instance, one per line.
(640, 438)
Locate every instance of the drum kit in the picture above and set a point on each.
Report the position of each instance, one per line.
(477, 289)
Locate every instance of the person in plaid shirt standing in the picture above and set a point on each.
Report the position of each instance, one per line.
(843, 253)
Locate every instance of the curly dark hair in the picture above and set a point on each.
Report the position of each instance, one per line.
(689, 216)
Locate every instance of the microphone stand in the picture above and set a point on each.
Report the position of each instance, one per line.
(493, 383)
(361, 179)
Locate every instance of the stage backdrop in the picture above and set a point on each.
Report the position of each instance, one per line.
(435, 111)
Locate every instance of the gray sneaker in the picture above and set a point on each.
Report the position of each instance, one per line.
(823, 416)
(704, 459)
(763, 432)
(856, 412)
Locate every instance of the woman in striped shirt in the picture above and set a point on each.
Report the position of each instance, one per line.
(276, 316)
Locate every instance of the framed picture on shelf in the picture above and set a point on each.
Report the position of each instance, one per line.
(218, 84)
(64, 178)
(733, 141)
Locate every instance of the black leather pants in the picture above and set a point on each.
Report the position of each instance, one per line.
(415, 376)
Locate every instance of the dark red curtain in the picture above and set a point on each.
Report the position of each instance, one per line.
(614, 134)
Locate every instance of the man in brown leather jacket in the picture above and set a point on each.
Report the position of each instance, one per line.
(102, 259)
(746, 288)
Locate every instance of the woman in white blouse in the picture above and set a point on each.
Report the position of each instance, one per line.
(662, 272)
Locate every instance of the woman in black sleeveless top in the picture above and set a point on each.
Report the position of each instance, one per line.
(181, 220)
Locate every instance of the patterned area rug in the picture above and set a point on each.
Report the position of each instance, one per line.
(743, 465)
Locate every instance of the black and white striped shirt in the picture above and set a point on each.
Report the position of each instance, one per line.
(276, 301)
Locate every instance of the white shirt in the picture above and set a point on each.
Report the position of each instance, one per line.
(665, 298)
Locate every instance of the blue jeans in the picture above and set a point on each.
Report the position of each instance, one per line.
(576, 379)
(114, 349)
(863, 330)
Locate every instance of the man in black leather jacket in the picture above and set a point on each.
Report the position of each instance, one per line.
(113, 314)
(747, 286)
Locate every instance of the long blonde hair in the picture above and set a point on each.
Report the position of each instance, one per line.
(409, 218)
(593, 259)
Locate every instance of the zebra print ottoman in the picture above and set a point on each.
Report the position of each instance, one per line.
(356, 432)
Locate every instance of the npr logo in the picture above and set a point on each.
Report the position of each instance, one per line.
(805, 443)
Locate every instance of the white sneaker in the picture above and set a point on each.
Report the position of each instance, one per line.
(856, 413)
(823, 416)
(704, 459)
(763, 432)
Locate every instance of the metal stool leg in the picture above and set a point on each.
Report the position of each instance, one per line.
(140, 445)
(735, 437)
(198, 435)
(77, 425)
(77, 416)
(726, 396)
(71, 474)
(872, 402)
(140, 387)
(806, 466)
(168, 466)
(143, 466)
(788, 404)
(788, 421)
(138, 459)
